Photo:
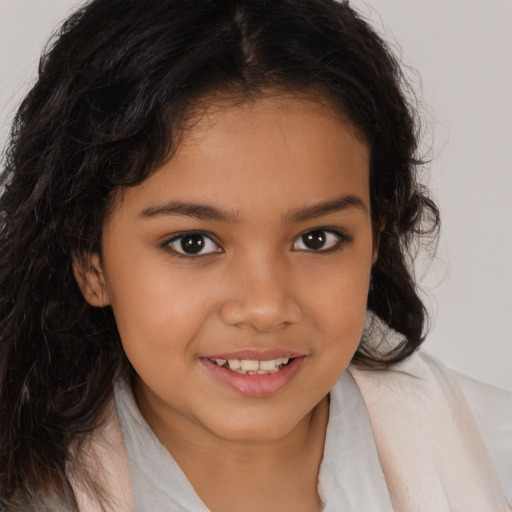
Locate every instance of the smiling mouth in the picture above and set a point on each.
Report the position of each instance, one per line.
(252, 366)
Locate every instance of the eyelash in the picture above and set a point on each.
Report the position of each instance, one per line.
(182, 236)
(342, 240)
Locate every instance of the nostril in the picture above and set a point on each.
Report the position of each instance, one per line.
(261, 316)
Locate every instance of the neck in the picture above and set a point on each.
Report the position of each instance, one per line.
(262, 474)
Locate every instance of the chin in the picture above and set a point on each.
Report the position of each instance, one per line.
(254, 430)
(256, 426)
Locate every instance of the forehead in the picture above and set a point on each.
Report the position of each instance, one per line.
(280, 151)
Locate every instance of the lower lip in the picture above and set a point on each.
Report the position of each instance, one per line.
(255, 385)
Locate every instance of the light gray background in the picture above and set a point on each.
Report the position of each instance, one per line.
(462, 50)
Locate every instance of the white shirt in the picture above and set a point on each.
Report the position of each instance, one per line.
(350, 478)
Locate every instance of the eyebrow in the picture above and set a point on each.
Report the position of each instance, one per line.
(324, 208)
(207, 212)
(198, 211)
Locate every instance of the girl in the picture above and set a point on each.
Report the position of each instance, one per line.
(206, 219)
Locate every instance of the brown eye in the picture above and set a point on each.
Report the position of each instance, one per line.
(314, 240)
(193, 244)
(319, 240)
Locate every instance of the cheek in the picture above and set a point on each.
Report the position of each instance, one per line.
(340, 290)
(157, 312)
(337, 300)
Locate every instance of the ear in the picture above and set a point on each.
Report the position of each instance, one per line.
(376, 242)
(91, 280)
(375, 248)
(375, 253)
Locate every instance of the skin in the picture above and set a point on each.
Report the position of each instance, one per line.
(264, 165)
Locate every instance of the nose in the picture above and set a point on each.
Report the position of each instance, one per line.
(262, 299)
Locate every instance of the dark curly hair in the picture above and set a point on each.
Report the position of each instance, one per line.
(115, 88)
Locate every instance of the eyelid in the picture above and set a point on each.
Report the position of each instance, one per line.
(342, 236)
(182, 234)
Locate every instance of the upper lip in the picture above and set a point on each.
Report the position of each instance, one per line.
(257, 354)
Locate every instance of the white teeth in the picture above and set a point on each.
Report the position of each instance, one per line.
(268, 365)
(253, 366)
(234, 364)
(249, 365)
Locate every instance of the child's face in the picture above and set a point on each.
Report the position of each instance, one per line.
(253, 243)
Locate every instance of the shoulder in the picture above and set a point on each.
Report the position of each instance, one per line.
(429, 396)
(105, 458)
(492, 409)
(489, 403)
(484, 399)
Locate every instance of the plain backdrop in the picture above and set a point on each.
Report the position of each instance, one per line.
(461, 51)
